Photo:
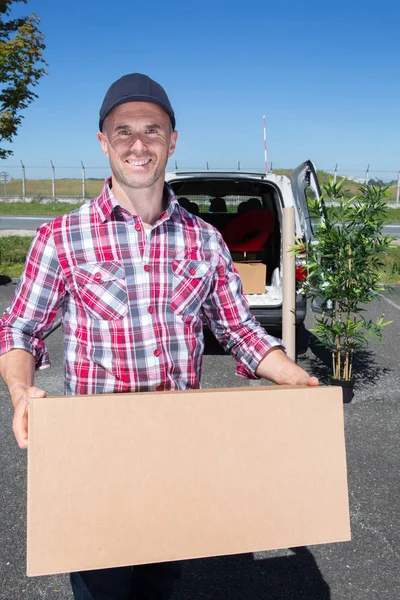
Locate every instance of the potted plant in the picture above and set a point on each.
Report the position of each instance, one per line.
(343, 263)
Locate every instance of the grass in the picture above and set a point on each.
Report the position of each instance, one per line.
(390, 273)
(392, 214)
(34, 208)
(13, 251)
(39, 188)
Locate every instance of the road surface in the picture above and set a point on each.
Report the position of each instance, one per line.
(367, 568)
(31, 223)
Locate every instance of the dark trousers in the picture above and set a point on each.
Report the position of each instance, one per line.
(142, 582)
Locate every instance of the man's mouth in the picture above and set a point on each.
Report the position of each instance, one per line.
(138, 163)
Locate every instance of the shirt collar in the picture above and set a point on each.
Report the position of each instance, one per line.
(106, 202)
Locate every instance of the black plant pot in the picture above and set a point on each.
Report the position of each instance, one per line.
(347, 388)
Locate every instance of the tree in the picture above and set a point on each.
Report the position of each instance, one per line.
(21, 67)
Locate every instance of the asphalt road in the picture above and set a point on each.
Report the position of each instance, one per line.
(367, 568)
(31, 223)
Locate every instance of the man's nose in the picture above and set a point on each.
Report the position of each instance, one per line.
(137, 142)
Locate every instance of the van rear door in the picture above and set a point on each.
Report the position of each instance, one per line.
(305, 184)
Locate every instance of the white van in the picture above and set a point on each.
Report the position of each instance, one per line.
(221, 197)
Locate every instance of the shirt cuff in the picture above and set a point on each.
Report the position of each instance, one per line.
(248, 363)
(12, 341)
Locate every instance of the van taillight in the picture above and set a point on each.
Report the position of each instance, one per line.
(301, 273)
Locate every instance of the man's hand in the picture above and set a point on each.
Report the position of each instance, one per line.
(277, 367)
(20, 398)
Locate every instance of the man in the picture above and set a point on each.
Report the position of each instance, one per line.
(132, 273)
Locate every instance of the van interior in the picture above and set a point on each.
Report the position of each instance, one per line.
(248, 215)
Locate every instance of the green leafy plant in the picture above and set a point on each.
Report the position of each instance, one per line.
(343, 263)
(21, 68)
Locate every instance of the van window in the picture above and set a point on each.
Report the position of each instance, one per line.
(314, 220)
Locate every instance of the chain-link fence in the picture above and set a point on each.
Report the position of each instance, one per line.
(52, 183)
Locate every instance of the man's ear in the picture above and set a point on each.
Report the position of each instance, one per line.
(103, 142)
(172, 143)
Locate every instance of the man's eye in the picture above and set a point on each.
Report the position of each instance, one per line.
(151, 130)
(124, 132)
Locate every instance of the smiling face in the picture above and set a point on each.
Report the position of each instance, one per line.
(138, 139)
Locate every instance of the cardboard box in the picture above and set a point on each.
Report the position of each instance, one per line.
(126, 479)
(253, 276)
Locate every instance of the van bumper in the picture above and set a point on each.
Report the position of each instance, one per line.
(271, 317)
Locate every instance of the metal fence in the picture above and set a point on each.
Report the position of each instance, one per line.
(53, 183)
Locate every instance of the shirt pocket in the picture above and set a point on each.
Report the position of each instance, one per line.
(191, 285)
(102, 289)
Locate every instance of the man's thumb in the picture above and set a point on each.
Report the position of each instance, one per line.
(35, 392)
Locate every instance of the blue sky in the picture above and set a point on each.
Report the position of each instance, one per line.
(326, 75)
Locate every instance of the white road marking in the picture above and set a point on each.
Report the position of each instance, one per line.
(390, 301)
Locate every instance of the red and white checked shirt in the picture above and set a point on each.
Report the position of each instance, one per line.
(131, 302)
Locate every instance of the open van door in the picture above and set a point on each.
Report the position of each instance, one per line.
(305, 184)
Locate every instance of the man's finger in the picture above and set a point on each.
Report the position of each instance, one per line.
(20, 420)
(313, 381)
(20, 424)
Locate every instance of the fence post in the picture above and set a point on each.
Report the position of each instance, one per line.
(53, 181)
(398, 190)
(335, 174)
(367, 174)
(23, 181)
(83, 183)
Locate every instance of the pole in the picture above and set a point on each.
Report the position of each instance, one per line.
(367, 174)
(265, 145)
(23, 180)
(83, 183)
(289, 284)
(53, 181)
(398, 190)
(5, 185)
(335, 174)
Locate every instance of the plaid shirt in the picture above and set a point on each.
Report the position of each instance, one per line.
(131, 302)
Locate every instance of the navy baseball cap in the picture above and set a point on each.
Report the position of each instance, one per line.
(135, 87)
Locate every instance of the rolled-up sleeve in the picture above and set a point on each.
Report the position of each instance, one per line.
(38, 296)
(229, 318)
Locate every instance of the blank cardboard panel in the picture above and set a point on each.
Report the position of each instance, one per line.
(124, 479)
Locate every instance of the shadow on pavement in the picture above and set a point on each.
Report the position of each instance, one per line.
(5, 280)
(365, 366)
(293, 577)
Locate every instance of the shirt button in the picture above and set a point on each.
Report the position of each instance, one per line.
(138, 227)
(97, 276)
(160, 388)
(150, 310)
(157, 352)
(192, 271)
(146, 268)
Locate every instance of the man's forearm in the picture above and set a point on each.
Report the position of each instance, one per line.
(17, 368)
(277, 367)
